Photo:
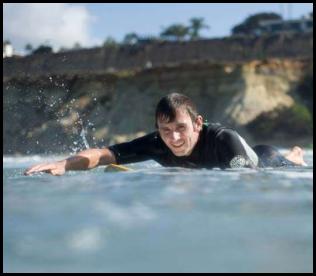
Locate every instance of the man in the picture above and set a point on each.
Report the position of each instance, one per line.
(181, 139)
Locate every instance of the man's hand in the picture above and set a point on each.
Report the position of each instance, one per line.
(84, 160)
(56, 168)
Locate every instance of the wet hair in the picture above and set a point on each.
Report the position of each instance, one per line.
(168, 105)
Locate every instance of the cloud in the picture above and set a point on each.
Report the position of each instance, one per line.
(58, 24)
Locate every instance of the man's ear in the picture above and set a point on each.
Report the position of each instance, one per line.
(199, 122)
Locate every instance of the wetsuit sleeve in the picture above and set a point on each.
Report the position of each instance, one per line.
(137, 150)
(233, 152)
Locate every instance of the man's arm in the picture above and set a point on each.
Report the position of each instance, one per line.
(84, 160)
(233, 151)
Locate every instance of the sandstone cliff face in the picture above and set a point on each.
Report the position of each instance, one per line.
(266, 100)
(267, 87)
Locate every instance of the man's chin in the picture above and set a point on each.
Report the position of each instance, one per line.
(180, 153)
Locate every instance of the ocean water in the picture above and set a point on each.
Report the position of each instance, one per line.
(157, 219)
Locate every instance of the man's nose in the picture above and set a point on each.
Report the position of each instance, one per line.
(175, 135)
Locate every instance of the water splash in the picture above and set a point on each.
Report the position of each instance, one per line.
(83, 133)
(84, 139)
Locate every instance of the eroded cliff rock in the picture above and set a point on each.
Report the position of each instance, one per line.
(266, 100)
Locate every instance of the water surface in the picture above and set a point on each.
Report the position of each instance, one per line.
(157, 219)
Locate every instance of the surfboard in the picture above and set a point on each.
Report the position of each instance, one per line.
(116, 168)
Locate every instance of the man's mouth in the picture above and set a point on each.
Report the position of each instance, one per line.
(177, 146)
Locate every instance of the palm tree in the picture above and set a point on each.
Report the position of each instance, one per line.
(175, 31)
(197, 24)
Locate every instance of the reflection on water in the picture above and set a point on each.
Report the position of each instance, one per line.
(157, 219)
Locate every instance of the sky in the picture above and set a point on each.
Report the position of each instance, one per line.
(90, 24)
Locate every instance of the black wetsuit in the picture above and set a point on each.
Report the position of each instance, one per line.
(217, 146)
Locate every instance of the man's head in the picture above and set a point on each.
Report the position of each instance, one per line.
(178, 123)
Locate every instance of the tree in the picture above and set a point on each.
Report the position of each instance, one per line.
(252, 23)
(130, 38)
(43, 49)
(28, 48)
(196, 26)
(175, 31)
(63, 49)
(110, 42)
(77, 46)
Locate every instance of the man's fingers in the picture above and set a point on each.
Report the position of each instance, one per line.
(30, 170)
(39, 168)
(55, 172)
(52, 168)
(33, 169)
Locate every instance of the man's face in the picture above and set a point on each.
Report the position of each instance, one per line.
(182, 134)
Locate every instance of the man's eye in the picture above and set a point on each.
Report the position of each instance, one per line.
(181, 128)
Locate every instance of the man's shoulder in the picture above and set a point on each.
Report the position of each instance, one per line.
(217, 133)
(214, 129)
(150, 140)
(152, 137)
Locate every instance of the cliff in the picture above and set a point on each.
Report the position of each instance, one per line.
(266, 99)
(147, 54)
